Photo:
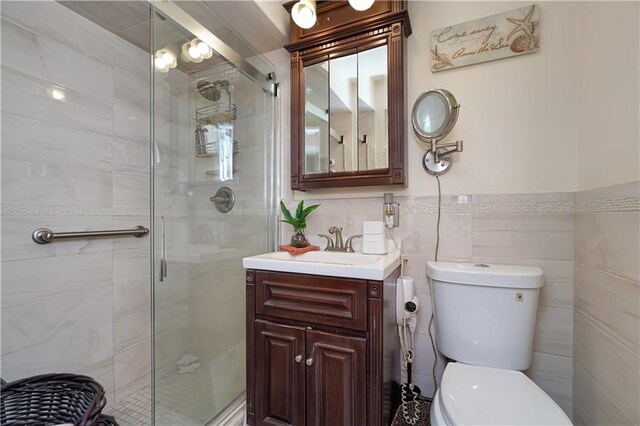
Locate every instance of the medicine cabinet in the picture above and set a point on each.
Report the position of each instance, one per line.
(348, 102)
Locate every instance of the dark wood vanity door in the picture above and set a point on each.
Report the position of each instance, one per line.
(336, 380)
(280, 378)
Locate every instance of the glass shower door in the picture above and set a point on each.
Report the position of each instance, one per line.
(213, 204)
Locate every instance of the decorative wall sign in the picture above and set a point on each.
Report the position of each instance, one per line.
(499, 36)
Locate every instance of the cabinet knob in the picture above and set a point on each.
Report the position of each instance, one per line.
(298, 358)
(309, 362)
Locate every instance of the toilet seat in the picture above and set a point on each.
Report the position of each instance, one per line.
(471, 395)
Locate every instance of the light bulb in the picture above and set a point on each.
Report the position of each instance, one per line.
(361, 4)
(168, 58)
(203, 48)
(304, 13)
(57, 94)
(159, 62)
(194, 52)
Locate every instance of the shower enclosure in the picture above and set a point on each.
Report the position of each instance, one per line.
(213, 197)
(118, 114)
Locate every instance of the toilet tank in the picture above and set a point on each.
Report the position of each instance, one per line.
(485, 314)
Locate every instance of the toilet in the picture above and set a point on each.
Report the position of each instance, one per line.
(485, 318)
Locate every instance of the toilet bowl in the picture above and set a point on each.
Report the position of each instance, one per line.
(472, 395)
(485, 320)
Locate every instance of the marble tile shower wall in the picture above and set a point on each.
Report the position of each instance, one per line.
(607, 306)
(528, 229)
(82, 164)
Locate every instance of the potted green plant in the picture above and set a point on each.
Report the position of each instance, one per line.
(298, 239)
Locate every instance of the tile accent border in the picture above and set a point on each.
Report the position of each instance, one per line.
(461, 204)
(428, 206)
(14, 210)
(612, 205)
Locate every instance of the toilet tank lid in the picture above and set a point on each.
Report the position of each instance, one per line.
(488, 275)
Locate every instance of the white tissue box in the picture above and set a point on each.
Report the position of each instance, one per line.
(373, 238)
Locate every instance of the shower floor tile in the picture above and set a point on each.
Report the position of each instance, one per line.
(173, 400)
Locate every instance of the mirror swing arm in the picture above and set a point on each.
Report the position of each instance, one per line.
(338, 32)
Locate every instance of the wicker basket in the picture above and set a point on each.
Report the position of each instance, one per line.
(51, 399)
(105, 420)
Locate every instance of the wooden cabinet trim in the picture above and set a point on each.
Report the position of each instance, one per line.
(250, 341)
(374, 352)
(332, 301)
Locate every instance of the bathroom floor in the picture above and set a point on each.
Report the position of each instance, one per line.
(173, 399)
(424, 416)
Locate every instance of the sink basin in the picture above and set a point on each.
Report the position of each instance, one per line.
(333, 264)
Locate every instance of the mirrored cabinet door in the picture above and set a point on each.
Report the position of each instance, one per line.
(343, 113)
(316, 118)
(373, 109)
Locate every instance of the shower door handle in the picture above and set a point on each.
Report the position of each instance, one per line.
(163, 250)
(163, 269)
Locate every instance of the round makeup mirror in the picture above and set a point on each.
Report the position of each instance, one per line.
(434, 115)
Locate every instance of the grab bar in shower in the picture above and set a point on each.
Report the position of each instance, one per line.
(45, 235)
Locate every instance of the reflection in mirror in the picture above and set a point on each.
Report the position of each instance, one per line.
(373, 120)
(316, 118)
(432, 112)
(343, 78)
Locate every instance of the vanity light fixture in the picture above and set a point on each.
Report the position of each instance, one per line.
(304, 13)
(164, 60)
(196, 50)
(361, 5)
(57, 94)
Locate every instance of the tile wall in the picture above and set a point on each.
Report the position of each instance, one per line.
(526, 229)
(607, 306)
(80, 306)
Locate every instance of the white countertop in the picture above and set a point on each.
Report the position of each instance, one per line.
(332, 264)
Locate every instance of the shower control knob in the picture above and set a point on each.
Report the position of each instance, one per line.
(309, 362)
(298, 358)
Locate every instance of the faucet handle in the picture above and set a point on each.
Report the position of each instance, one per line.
(349, 243)
(329, 241)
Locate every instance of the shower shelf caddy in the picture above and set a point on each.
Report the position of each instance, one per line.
(221, 110)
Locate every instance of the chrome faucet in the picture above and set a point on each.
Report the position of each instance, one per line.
(338, 245)
(338, 233)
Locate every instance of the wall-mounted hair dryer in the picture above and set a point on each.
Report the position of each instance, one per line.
(407, 303)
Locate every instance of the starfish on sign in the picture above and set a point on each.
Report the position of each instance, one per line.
(526, 25)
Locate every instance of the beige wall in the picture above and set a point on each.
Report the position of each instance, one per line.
(518, 116)
(608, 93)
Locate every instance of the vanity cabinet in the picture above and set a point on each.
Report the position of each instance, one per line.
(319, 349)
